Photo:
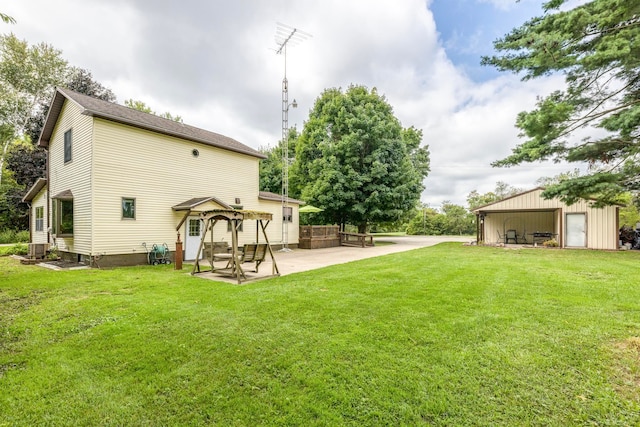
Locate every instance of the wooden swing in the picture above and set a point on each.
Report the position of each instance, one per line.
(233, 257)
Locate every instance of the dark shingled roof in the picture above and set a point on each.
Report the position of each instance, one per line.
(117, 113)
(267, 195)
(64, 195)
(34, 190)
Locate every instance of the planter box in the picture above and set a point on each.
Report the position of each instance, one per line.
(319, 236)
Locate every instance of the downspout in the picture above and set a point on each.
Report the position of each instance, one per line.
(30, 219)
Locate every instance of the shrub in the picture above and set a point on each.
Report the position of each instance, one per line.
(52, 254)
(22, 236)
(550, 243)
(12, 236)
(17, 249)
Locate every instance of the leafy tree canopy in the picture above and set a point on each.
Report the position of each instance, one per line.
(7, 19)
(271, 167)
(28, 75)
(452, 220)
(354, 159)
(77, 79)
(597, 47)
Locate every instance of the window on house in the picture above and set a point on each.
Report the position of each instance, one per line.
(128, 208)
(194, 227)
(229, 226)
(40, 218)
(67, 146)
(63, 217)
(287, 214)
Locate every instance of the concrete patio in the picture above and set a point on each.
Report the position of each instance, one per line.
(298, 260)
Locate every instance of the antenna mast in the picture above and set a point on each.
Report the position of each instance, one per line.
(286, 35)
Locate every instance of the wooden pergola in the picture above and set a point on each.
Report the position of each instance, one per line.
(236, 257)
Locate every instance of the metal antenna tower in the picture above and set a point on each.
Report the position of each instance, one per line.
(286, 36)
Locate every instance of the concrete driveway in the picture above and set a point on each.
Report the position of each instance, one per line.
(299, 260)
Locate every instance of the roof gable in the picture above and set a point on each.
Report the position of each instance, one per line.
(34, 190)
(531, 199)
(540, 189)
(201, 204)
(111, 111)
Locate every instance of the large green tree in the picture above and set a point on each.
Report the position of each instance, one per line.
(354, 159)
(271, 167)
(28, 75)
(596, 46)
(77, 79)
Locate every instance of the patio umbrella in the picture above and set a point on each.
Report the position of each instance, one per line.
(309, 209)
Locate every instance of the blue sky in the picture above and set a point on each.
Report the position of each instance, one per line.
(467, 29)
(214, 64)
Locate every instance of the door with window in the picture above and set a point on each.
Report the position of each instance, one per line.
(576, 230)
(193, 236)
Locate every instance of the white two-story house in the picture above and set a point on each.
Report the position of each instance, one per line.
(119, 179)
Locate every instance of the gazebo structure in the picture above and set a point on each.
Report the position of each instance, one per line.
(234, 257)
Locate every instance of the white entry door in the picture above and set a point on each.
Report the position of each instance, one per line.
(576, 230)
(192, 237)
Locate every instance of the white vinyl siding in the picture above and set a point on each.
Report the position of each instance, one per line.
(160, 171)
(74, 175)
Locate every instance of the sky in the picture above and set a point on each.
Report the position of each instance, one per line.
(215, 64)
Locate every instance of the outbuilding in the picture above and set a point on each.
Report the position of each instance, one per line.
(528, 218)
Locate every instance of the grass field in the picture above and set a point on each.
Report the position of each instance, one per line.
(447, 335)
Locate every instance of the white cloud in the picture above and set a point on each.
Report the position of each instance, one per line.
(214, 64)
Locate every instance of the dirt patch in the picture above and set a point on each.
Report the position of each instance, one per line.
(626, 373)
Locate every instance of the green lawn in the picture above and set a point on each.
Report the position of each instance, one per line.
(447, 335)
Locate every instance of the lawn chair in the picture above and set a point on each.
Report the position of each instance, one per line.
(511, 235)
(500, 237)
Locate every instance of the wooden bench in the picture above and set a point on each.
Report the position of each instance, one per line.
(213, 250)
(254, 253)
(356, 239)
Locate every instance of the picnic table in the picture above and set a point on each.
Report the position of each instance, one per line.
(356, 239)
